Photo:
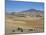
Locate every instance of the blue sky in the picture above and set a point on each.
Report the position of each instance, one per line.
(21, 6)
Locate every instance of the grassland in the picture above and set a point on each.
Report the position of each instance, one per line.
(36, 24)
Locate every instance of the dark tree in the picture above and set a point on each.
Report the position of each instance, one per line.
(13, 13)
(21, 30)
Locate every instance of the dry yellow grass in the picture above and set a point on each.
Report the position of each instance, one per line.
(13, 22)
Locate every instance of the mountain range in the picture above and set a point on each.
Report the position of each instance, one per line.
(33, 12)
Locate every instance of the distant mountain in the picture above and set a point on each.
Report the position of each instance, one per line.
(32, 10)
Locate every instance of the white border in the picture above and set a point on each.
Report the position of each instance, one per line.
(2, 22)
(2, 18)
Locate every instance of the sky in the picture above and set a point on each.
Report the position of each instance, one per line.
(17, 6)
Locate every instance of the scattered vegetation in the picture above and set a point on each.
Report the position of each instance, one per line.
(30, 29)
